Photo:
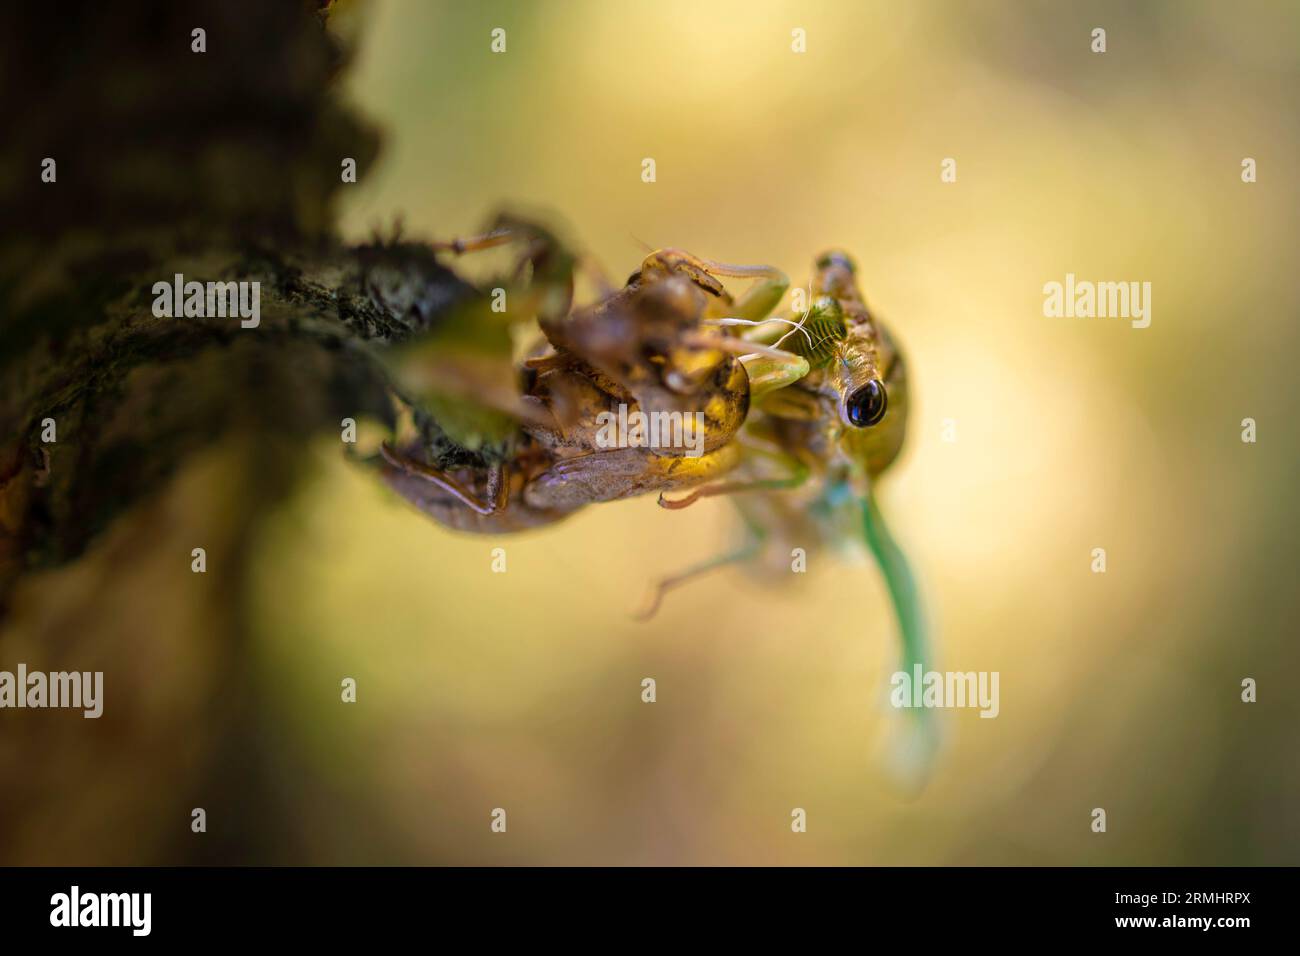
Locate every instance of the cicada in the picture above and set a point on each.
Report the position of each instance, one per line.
(801, 412)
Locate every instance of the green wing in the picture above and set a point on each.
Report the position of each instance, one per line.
(917, 753)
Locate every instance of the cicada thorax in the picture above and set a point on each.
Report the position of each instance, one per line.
(583, 400)
(634, 351)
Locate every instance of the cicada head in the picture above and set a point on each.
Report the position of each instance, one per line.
(861, 367)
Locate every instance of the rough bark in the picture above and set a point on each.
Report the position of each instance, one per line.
(221, 166)
(171, 432)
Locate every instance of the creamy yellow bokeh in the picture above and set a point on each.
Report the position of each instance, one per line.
(1120, 690)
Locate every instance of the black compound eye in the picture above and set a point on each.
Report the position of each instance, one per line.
(866, 406)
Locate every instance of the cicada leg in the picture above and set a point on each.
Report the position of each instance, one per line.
(486, 240)
(770, 370)
(758, 301)
(545, 271)
(752, 547)
(798, 474)
(767, 370)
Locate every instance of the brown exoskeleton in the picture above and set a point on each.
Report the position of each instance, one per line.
(802, 415)
(639, 348)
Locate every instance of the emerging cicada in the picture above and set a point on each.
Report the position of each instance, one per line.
(801, 413)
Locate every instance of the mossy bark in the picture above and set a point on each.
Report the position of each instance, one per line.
(171, 433)
(219, 165)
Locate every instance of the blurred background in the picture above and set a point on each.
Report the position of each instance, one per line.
(522, 690)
